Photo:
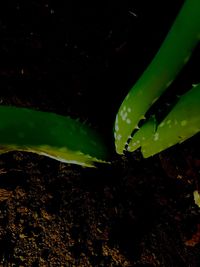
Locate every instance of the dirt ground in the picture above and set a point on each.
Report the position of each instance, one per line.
(81, 62)
(133, 213)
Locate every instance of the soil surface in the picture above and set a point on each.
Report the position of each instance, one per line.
(81, 62)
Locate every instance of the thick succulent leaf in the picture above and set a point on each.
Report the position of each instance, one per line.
(171, 57)
(180, 124)
(142, 135)
(49, 134)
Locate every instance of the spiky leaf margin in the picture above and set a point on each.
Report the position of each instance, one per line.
(171, 57)
(45, 133)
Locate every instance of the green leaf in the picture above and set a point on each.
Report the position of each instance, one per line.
(182, 122)
(171, 57)
(59, 137)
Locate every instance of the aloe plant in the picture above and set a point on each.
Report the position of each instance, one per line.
(182, 122)
(173, 54)
(59, 137)
(68, 140)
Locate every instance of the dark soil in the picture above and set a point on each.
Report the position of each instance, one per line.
(81, 62)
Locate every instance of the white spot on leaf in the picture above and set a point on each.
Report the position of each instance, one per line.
(127, 97)
(116, 120)
(183, 123)
(118, 137)
(156, 136)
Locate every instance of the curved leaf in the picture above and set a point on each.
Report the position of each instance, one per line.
(59, 137)
(171, 57)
